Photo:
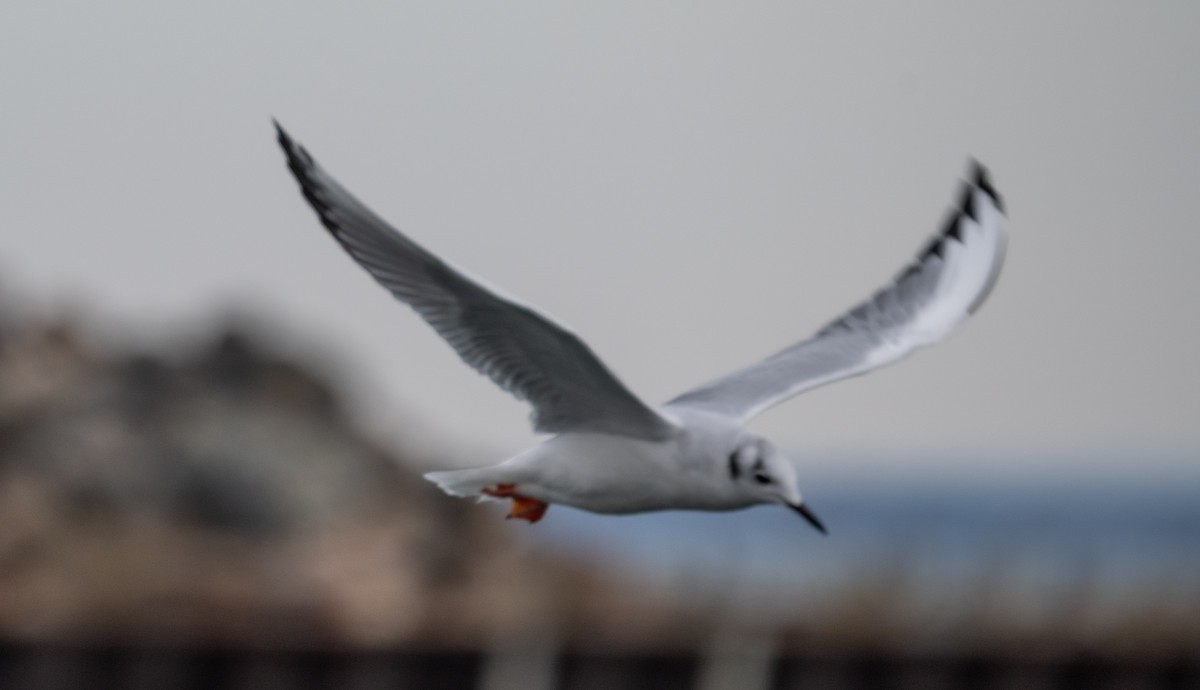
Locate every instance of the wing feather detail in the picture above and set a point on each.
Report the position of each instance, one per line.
(522, 351)
(949, 280)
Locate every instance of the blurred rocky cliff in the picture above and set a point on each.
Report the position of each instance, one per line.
(220, 496)
(216, 495)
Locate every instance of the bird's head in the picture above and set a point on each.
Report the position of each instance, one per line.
(764, 473)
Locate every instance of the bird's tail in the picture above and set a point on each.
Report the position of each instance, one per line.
(465, 483)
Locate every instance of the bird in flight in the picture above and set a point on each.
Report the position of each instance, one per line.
(609, 451)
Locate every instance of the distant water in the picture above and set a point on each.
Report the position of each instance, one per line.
(1116, 539)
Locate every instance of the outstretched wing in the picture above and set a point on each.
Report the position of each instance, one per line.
(524, 352)
(926, 302)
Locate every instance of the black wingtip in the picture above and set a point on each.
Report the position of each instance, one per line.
(966, 201)
(965, 206)
(975, 170)
(932, 248)
(298, 159)
(301, 163)
(284, 139)
(965, 191)
(981, 180)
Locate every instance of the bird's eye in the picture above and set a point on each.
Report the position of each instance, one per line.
(762, 478)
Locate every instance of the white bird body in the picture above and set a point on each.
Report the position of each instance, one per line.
(611, 453)
(604, 473)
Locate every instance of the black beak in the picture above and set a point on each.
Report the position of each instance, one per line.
(810, 516)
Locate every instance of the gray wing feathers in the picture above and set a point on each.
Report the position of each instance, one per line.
(524, 353)
(948, 281)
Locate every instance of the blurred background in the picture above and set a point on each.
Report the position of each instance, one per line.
(213, 424)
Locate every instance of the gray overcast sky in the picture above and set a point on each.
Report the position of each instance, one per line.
(690, 186)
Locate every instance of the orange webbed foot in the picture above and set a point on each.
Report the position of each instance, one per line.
(523, 507)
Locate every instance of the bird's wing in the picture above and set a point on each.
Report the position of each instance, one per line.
(524, 352)
(948, 281)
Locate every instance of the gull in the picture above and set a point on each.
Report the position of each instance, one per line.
(612, 453)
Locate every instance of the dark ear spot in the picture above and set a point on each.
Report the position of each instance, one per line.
(734, 470)
(760, 472)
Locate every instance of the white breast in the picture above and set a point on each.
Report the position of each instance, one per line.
(616, 474)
